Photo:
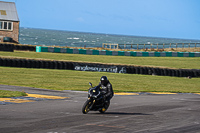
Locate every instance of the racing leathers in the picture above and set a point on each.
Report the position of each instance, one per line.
(106, 90)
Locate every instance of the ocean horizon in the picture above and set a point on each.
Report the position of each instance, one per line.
(48, 37)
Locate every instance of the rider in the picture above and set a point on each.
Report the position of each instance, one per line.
(106, 88)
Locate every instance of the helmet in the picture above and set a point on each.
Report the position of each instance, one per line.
(104, 80)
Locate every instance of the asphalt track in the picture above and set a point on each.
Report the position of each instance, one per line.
(137, 113)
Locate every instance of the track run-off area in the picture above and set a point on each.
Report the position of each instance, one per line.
(49, 111)
(38, 97)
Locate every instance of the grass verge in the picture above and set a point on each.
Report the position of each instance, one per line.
(78, 80)
(5, 94)
(167, 62)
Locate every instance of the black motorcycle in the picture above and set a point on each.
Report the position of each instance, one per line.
(95, 101)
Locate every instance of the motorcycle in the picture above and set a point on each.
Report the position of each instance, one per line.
(95, 101)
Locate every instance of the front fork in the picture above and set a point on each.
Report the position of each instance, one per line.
(93, 101)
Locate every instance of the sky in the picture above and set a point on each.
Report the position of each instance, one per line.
(151, 18)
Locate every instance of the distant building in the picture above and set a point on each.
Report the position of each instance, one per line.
(9, 22)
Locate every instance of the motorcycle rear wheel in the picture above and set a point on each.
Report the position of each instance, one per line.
(86, 106)
(103, 110)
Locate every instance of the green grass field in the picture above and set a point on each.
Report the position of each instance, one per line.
(4, 94)
(169, 62)
(78, 80)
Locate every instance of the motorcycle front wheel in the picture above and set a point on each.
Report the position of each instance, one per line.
(86, 106)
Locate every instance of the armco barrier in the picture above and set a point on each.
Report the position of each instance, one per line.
(47, 64)
(116, 53)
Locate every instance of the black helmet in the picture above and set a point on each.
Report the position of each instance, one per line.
(104, 80)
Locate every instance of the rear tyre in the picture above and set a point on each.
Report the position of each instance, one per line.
(86, 106)
(103, 110)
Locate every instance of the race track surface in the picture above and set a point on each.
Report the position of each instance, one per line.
(144, 113)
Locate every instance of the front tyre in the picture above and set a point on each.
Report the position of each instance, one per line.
(86, 106)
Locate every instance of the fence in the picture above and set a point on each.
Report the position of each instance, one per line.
(150, 46)
(116, 53)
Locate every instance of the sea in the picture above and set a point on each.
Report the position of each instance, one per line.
(46, 37)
